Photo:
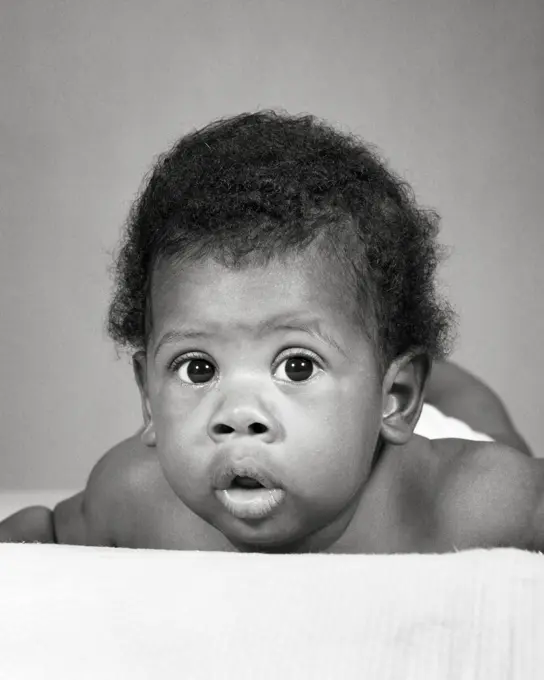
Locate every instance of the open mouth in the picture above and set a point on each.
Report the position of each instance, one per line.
(242, 482)
(243, 474)
(247, 498)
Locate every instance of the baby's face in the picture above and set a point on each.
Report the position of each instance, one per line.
(236, 386)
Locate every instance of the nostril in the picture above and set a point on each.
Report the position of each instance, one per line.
(254, 428)
(222, 429)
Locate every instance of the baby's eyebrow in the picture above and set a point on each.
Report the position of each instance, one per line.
(279, 322)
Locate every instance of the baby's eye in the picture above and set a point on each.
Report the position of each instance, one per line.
(195, 371)
(298, 368)
(199, 370)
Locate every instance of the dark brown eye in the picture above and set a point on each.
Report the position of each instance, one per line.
(297, 368)
(196, 371)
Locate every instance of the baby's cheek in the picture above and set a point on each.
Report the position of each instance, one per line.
(353, 427)
(176, 439)
(173, 413)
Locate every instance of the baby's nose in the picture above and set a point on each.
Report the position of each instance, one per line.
(251, 428)
(245, 420)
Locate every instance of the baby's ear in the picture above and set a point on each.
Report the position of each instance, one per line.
(147, 434)
(403, 395)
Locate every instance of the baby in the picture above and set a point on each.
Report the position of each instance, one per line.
(276, 288)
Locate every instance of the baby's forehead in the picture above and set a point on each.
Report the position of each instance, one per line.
(214, 295)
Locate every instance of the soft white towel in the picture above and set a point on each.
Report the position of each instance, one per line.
(433, 424)
(90, 613)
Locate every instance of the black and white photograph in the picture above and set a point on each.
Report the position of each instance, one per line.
(271, 321)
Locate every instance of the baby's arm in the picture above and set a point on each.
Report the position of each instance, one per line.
(88, 518)
(491, 496)
(459, 394)
(67, 523)
(30, 525)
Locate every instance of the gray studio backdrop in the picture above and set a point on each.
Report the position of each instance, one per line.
(452, 92)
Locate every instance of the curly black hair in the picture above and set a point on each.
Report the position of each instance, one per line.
(250, 188)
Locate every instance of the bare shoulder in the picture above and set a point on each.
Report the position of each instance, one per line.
(488, 494)
(98, 514)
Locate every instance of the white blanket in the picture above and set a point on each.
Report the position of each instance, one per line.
(433, 424)
(101, 613)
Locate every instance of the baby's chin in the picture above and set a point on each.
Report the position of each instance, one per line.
(270, 540)
(286, 530)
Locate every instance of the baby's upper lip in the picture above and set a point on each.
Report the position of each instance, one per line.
(243, 464)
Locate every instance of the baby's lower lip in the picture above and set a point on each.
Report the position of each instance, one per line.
(250, 503)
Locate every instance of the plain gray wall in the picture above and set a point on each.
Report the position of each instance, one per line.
(452, 92)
